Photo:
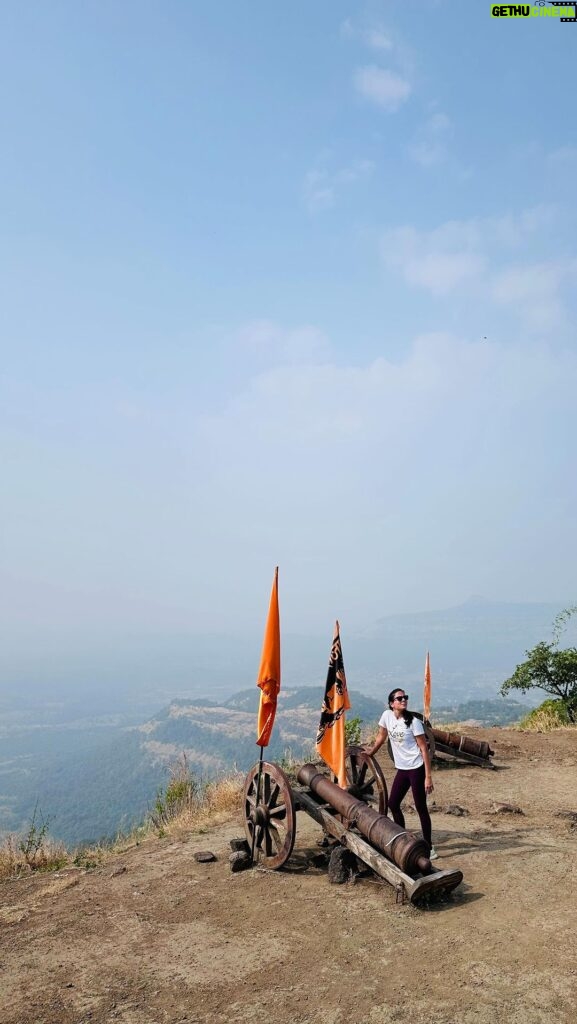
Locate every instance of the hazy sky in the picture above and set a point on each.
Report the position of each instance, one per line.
(283, 284)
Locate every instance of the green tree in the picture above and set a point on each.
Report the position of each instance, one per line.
(550, 669)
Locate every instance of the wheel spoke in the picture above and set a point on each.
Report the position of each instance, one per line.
(276, 837)
(278, 812)
(368, 779)
(272, 798)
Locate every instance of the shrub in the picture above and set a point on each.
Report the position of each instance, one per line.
(178, 797)
(551, 714)
(353, 731)
(32, 851)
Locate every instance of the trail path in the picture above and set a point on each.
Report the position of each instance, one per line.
(153, 937)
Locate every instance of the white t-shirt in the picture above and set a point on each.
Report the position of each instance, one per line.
(406, 753)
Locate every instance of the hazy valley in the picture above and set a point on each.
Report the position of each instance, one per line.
(94, 758)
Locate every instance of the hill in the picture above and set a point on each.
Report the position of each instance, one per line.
(152, 937)
(109, 787)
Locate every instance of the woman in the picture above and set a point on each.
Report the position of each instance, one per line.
(411, 757)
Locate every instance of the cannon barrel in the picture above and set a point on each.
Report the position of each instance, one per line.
(480, 748)
(410, 854)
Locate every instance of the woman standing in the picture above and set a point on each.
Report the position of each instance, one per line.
(411, 757)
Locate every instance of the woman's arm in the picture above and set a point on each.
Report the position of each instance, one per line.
(422, 744)
(381, 737)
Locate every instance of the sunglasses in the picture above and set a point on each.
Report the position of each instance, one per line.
(405, 697)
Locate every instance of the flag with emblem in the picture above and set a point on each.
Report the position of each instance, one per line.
(331, 735)
(268, 679)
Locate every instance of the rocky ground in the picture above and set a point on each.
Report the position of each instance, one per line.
(153, 937)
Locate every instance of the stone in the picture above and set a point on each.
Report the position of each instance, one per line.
(239, 844)
(239, 861)
(341, 865)
(204, 856)
(457, 810)
(505, 809)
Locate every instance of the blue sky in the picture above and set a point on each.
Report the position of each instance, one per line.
(282, 284)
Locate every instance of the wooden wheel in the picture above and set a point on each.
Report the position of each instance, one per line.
(429, 733)
(269, 814)
(365, 778)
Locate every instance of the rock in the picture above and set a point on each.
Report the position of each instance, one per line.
(319, 860)
(341, 865)
(571, 815)
(118, 871)
(457, 810)
(204, 856)
(239, 860)
(239, 844)
(505, 809)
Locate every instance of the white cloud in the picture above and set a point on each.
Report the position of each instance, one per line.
(401, 475)
(376, 39)
(322, 186)
(535, 291)
(429, 146)
(383, 87)
(479, 254)
(564, 156)
(439, 260)
(268, 342)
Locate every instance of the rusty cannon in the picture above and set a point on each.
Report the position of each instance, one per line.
(393, 853)
(454, 746)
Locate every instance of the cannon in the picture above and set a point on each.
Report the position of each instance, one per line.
(454, 745)
(393, 853)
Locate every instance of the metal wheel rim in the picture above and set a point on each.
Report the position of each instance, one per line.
(274, 811)
(365, 774)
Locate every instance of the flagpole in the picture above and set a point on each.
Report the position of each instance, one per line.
(256, 804)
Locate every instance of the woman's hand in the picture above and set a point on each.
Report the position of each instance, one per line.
(428, 784)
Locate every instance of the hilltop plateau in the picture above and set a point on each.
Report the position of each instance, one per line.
(153, 937)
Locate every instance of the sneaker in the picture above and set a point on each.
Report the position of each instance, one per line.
(433, 855)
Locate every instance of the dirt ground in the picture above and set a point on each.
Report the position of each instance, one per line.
(153, 937)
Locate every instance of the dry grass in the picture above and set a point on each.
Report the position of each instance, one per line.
(18, 857)
(545, 719)
(184, 805)
(217, 802)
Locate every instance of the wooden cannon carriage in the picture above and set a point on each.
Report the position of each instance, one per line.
(270, 806)
(454, 746)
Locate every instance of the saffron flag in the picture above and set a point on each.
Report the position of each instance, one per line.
(331, 735)
(268, 678)
(427, 690)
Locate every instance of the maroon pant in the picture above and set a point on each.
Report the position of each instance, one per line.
(414, 779)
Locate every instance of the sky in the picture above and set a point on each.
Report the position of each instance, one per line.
(282, 284)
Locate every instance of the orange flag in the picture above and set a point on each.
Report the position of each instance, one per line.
(427, 689)
(331, 735)
(268, 678)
